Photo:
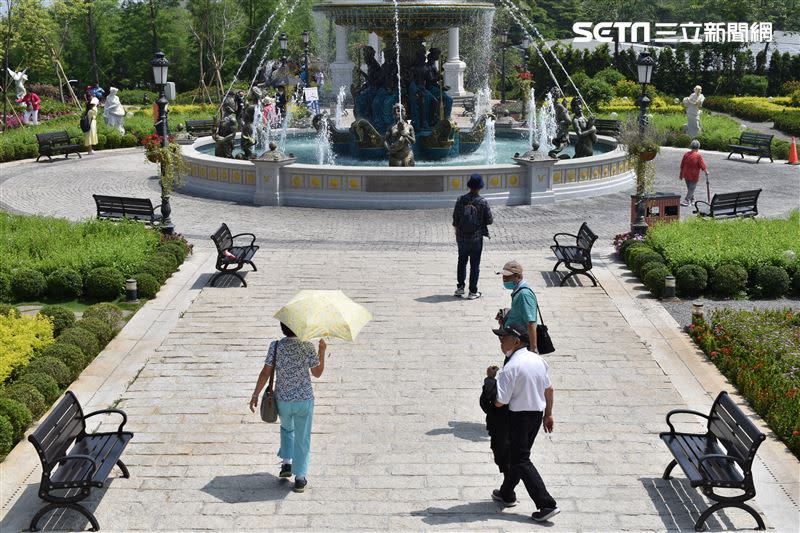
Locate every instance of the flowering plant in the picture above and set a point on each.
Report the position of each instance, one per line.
(170, 159)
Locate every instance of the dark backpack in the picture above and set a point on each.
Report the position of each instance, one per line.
(469, 222)
(86, 124)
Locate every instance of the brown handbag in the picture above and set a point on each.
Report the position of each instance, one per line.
(269, 407)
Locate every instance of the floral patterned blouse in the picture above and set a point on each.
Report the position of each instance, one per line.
(292, 377)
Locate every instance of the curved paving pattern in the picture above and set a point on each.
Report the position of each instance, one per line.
(65, 188)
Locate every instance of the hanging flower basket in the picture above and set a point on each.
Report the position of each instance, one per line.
(647, 156)
(153, 157)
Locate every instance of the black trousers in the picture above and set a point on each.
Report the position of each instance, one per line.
(469, 250)
(523, 427)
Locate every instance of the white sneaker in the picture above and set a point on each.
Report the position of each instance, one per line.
(684, 203)
(459, 292)
(473, 296)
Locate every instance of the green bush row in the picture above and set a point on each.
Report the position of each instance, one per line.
(30, 390)
(786, 120)
(758, 351)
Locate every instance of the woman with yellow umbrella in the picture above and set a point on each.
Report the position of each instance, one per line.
(310, 314)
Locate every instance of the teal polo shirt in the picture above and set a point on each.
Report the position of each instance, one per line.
(523, 306)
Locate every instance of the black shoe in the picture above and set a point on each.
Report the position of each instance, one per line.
(300, 484)
(286, 470)
(543, 515)
(496, 496)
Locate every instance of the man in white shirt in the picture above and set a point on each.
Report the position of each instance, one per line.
(524, 385)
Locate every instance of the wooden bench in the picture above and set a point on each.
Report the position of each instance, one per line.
(578, 257)
(722, 457)
(609, 127)
(74, 461)
(759, 144)
(200, 128)
(118, 207)
(230, 258)
(729, 204)
(56, 143)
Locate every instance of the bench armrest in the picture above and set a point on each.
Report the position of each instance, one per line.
(79, 457)
(252, 240)
(563, 234)
(703, 459)
(110, 411)
(697, 206)
(682, 411)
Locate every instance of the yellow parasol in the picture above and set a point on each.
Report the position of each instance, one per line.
(320, 313)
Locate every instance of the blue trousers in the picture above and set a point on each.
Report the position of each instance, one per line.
(296, 418)
(469, 250)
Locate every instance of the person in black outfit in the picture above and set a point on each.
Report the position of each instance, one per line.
(496, 421)
(471, 216)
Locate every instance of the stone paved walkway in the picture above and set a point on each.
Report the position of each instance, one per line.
(398, 440)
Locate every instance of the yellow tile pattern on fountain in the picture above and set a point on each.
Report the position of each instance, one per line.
(513, 181)
(250, 178)
(354, 184)
(584, 174)
(570, 175)
(334, 183)
(297, 182)
(557, 176)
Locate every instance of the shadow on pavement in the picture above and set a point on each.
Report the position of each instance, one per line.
(202, 280)
(472, 512)
(553, 279)
(470, 431)
(247, 488)
(19, 517)
(224, 281)
(437, 298)
(679, 506)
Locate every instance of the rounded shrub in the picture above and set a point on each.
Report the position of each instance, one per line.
(167, 259)
(691, 280)
(626, 246)
(6, 436)
(174, 248)
(62, 317)
(647, 267)
(101, 330)
(104, 283)
(156, 270)
(27, 284)
(5, 286)
(8, 310)
(729, 279)
(27, 395)
(19, 416)
(772, 281)
(655, 280)
(53, 367)
(64, 283)
(796, 283)
(643, 258)
(69, 354)
(105, 312)
(83, 339)
(44, 383)
(147, 285)
(635, 251)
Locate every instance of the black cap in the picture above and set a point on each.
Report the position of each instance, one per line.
(514, 330)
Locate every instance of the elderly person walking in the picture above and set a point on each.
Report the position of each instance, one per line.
(691, 165)
(524, 386)
(524, 309)
(292, 360)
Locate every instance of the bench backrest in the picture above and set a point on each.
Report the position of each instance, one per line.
(126, 207)
(199, 125)
(604, 124)
(53, 137)
(586, 237)
(58, 431)
(757, 139)
(734, 431)
(734, 201)
(223, 239)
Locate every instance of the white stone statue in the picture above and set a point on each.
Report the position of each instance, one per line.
(19, 80)
(114, 113)
(693, 103)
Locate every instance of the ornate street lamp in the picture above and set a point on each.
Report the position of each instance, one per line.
(504, 44)
(526, 44)
(283, 41)
(644, 68)
(160, 66)
(306, 37)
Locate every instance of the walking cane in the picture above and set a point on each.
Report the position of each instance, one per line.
(708, 190)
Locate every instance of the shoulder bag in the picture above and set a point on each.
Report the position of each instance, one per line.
(269, 408)
(544, 344)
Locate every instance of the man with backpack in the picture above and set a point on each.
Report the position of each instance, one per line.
(471, 217)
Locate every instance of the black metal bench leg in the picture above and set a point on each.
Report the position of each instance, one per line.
(668, 471)
(556, 267)
(589, 275)
(563, 281)
(700, 524)
(238, 275)
(252, 265)
(74, 506)
(124, 469)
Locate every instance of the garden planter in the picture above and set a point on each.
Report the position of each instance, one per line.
(647, 156)
(153, 158)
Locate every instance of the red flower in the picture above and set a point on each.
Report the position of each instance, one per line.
(525, 76)
(714, 355)
(796, 433)
(791, 393)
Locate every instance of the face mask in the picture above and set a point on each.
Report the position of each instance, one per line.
(509, 285)
(508, 353)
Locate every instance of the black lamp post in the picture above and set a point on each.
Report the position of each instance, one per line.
(504, 44)
(644, 66)
(526, 44)
(283, 41)
(306, 37)
(160, 66)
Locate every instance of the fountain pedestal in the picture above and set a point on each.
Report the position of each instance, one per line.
(454, 68)
(342, 67)
(538, 178)
(268, 176)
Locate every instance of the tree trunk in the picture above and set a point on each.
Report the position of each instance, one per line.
(93, 45)
(153, 15)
